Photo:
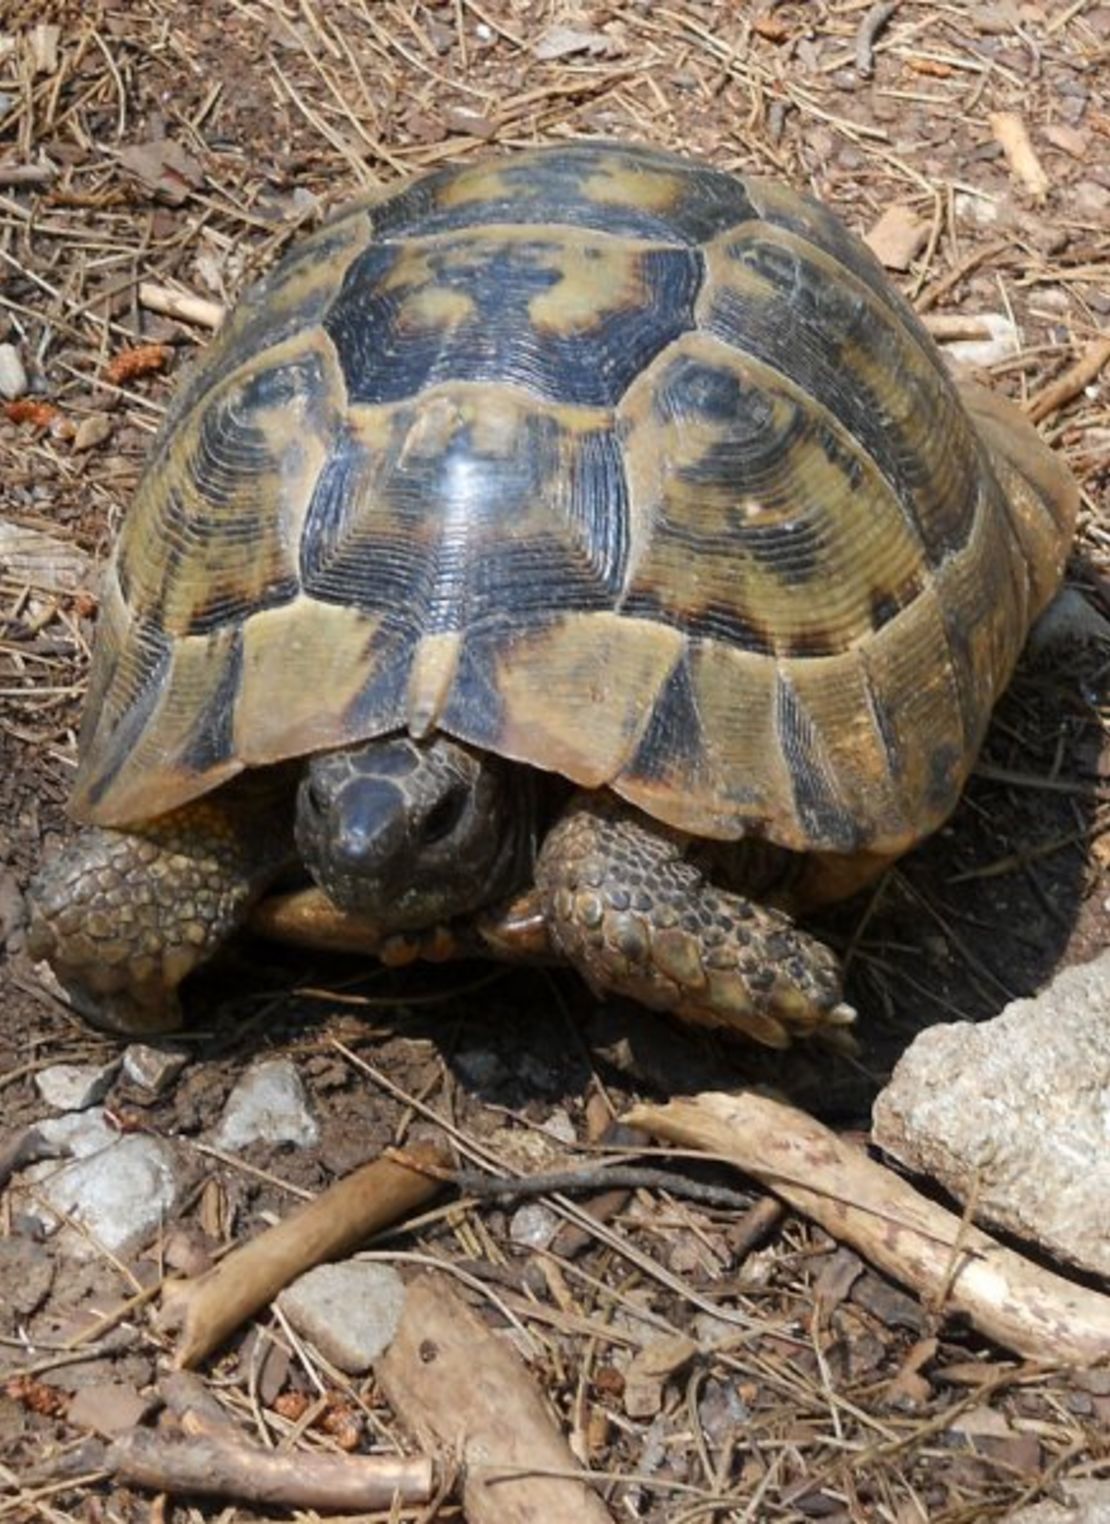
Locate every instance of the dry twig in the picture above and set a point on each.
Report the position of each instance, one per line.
(379, 1194)
(1010, 1299)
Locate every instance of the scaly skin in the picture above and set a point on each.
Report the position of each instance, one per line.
(124, 916)
(635, 917)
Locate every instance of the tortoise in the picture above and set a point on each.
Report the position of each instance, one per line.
(582, 552)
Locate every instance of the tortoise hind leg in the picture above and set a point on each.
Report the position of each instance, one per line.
(635, 917)
(124, 916)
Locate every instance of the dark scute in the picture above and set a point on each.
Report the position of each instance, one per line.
(709, 620)
(787, 331)
(384, 361)
(690, 387)
(826, 820)
(945, 765)
(549, 188)
(475, 710)
(385, 658)
(149, 651)
(257, 323)
(454, 537)
(672, 746)
(791, 549)
(212, 740)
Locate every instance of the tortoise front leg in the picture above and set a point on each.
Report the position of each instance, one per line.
(124, 916)
(628, 910)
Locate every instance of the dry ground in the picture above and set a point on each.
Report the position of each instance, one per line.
(185, 144)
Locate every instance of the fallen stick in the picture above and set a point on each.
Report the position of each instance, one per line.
(465, 1394)
(1071, 383)
(1012, 133)
(211, 1306)
(946, 1261)
(181, 305)
(207, 1464)
(948, 326)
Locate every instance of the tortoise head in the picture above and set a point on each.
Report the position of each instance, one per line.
(414, 833)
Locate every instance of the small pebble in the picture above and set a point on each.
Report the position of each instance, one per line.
(533, 1226)
(151, 1068)
(13, 374)
(75, 1087)
(268, 1105)
(349, 1311)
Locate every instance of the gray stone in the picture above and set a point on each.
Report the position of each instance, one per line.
(533, 1226)
(1068, 620)
(120, 1193)
(75, 1087)
(268, 1105)
(13, 373)
(78, 1133)
(1015, 1114)
(153, 1068)
(349, 1311)
(1086, 1501)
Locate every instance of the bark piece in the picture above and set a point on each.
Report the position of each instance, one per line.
(950, 1264)
(463, 1392)
(210, 1307)
(1011, 1115)
(207, 1464)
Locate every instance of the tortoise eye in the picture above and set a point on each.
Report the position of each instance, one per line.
(444, 816)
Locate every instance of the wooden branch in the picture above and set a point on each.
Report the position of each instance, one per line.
(182, 305)
(464, 1393)
(1071, 383)
(946, 1261)
(209, 1307)
(207, 1464)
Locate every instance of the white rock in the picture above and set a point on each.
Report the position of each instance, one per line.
(79, 1133)
(1004, 341)
(75, 1087)
(13, 374)
(349, 1311)
(268, 1105)
(153, 1068)
(533, 1226)
(1015, 1113)
(1084, 1500)
(120, 1193)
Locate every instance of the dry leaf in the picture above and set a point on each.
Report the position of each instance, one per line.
(91, 431)
(561, 41)
(1070, 139)
(898, 235)
(165, 167)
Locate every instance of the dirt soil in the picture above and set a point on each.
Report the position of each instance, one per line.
(183, 145)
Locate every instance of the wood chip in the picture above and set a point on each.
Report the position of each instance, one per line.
(898, 235)
(1010, 130)
(165, 167)
(91, 431)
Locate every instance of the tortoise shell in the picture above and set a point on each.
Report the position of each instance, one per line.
(605, 461)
